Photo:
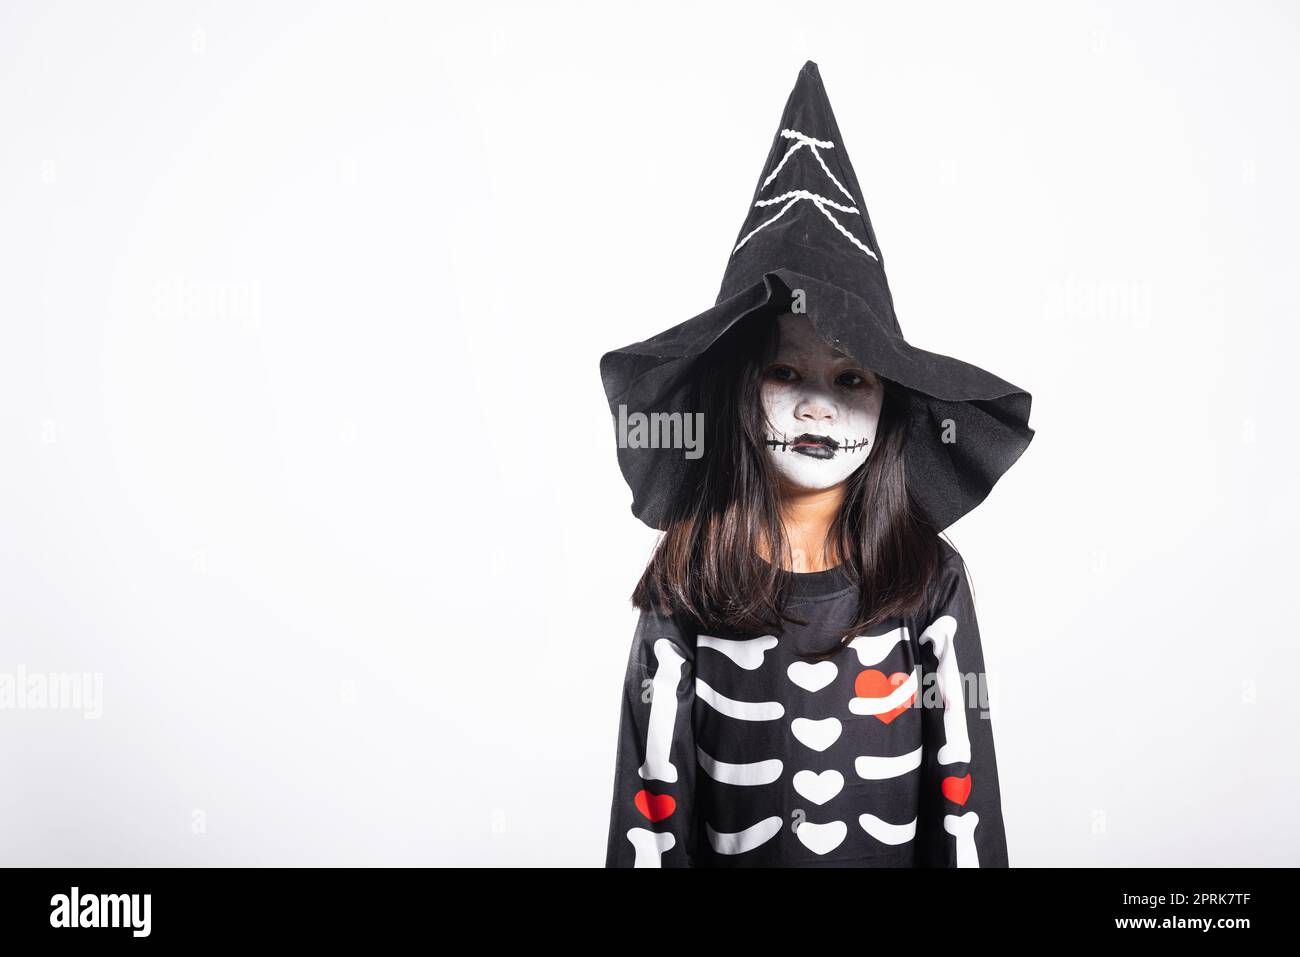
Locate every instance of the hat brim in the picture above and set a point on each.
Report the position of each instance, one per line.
(966, 425)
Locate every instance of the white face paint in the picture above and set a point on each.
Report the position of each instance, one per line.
(822, 408)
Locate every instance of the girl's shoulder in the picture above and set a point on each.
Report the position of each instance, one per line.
(953, 566)
(659, 617)
(951, 579)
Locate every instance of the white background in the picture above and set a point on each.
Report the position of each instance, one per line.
(305, 451)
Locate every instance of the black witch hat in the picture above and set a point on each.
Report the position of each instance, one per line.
(808, 238)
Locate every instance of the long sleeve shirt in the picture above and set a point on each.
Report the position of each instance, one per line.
(735, 752)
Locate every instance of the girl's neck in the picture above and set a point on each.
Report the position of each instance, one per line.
(808, 517)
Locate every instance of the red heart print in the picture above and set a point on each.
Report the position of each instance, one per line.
(956, 790)
(875, 684)
(655, 806)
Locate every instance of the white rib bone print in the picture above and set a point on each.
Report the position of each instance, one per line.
(747, 654)
(817, 785)
(745, 775)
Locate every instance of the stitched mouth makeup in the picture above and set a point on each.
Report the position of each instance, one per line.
(815, 446)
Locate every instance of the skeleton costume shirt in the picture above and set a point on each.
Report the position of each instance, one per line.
(733, 750)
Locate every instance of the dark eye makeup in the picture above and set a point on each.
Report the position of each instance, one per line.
(782, 373)
(854, 380)
(848, 379)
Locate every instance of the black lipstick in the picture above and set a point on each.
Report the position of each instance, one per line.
(815, 446)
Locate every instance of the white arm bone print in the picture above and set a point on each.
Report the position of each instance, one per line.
(651, 815)
(956, 746)
(962, 827)
(650, 846)
(961, 810)
(658, 764)
(940, 635)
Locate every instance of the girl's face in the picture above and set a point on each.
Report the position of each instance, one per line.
(822, 408)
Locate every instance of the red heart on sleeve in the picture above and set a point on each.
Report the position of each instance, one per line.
(655, 806)
(956, 790)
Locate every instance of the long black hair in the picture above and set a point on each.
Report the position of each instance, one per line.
(706, 566)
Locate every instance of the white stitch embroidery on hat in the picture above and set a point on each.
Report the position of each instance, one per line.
(821, 202)
(812, 145)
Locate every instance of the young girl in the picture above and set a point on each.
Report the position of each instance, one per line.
(806, 684)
